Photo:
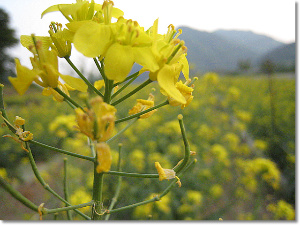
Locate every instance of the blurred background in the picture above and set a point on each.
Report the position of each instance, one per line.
(241, 122)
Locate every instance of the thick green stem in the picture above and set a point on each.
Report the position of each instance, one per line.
(83, 77)
(108, 90)
(98, 177)
(142, 112)
(97, 195)
(132, 92)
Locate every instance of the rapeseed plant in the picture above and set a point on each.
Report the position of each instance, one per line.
(114, 46)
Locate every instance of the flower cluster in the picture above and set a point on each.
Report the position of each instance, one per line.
(122, 43)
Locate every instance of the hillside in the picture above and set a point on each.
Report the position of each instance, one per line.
(222, 50)
(256, 42)
(209, 51)
(283, 55)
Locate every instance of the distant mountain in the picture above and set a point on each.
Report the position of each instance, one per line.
(258, 43)
(282, 56)
(221, 50)
(209, 51)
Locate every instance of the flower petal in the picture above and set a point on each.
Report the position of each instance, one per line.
(145, 57)
(27, 41)
(118, 61)
(74, 82)
(91, 39)
(166, 78)
(24, 78)
(185, 70)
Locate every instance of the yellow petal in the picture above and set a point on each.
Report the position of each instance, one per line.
(145, 57)
(99, 84)
(166, 78)
(118, 61)
(50, 77)
(54, 8)
(24, 78)
(27, 41)
(186, 69)
(116, 13)
(75, 83)
(160, 171)
(91, 39)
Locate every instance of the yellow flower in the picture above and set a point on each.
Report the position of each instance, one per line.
(170, 55)
(103, 157)
(22, 135)
(121, 44)
(166, 173)
(82, 10)
(45, 68)
(143, 105)
(185, 91)
(98, 122)
(61, 39)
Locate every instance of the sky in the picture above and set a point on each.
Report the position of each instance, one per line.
(274, 18)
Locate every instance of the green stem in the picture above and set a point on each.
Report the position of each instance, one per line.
(118, 188)
(50, 211)
(66, 191)
(132, 92)
(83, 77)
(108, 90)
(17, 195)
(62, 151)
(100, 68)
(68, 98)
(42, 181)
(127, 78)
(142, 112)
(123, 130)
(139, 175)
(97, 195)
(125, 85)
(187, 151)
(2, 109)
(156, 198)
